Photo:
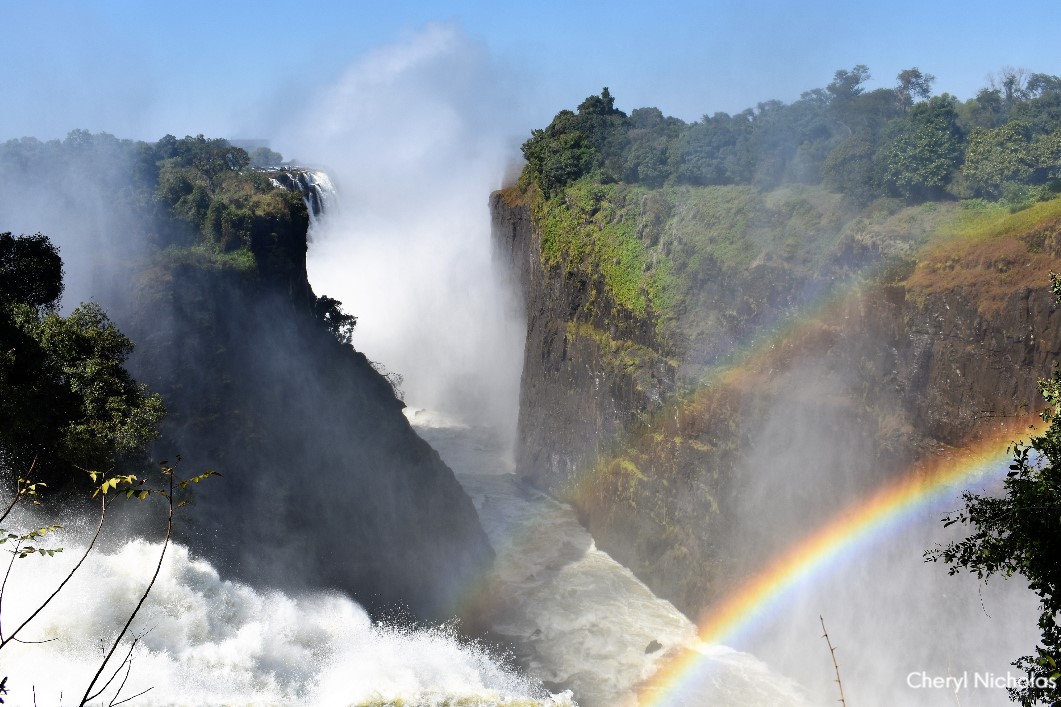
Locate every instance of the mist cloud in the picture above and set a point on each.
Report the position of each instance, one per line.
(416, 135)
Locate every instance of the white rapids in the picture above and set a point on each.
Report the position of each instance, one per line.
(208, 641)
(575, 617)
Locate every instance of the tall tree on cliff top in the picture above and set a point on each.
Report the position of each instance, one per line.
(913, 84)
(927, 150)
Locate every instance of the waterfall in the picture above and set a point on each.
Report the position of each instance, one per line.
(314, 185)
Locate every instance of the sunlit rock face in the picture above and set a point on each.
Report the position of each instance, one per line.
(776, 394)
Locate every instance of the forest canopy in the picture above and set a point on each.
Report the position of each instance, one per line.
(1004, 143)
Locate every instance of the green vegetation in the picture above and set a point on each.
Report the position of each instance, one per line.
(984, 250)
(897, 142)
(595, 226)
(653, 209)
(197, 203)
(264, 158)
(209, 199)
(198, 199)
(65, 398)
(207, 256)
(1018, 533)
(653, 250)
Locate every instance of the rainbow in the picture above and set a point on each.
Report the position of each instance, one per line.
(863, 521)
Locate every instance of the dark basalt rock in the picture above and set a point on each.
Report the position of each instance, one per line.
(671, 478)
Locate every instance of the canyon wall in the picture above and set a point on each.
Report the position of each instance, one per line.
(774, 388)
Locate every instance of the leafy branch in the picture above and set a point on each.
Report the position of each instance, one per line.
(132, 487)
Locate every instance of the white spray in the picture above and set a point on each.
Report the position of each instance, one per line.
(413, 136)
(207, 641)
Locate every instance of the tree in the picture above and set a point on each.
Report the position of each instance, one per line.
(338, 322)
(848, 84)
(263, 157)
(717, 150)
(31, 271)
(1019, 532)
(65, 398)
(850, 168)
(1012, 85)
(559, 154)
(575, 144)
(994, 157)
(65, 401)
(913, 84)
(927, 150)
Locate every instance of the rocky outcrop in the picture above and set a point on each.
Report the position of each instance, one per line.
(325, 484)
(781, 393)
(202, 263)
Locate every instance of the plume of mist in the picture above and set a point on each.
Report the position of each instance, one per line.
(890, 613)
(68, 193)
(415, 136)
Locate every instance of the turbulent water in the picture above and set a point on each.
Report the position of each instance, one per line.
(576, 618)
(207, 641)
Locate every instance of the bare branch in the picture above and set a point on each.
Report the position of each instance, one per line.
(69, 576)
(158, 568)
(127, 699)
(836, 667)
(19, 491)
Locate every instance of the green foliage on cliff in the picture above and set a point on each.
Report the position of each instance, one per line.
(653, 250)
(595, 227)
(210, 202)
(196, 198)
(925, 150)
(657, 209)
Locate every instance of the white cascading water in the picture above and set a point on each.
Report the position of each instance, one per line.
(573, 614)
(315, 186)
(208, 641)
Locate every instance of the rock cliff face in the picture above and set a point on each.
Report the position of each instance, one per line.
(773, 391)
(202, 262)
(324, 481)
(590, 369)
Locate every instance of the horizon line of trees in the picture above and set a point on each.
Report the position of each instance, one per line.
(903, 141)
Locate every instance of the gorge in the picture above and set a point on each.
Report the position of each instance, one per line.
(631, 404)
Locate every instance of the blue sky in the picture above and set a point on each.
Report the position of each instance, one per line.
(141, 69)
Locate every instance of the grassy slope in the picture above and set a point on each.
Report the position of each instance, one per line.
(655, 248)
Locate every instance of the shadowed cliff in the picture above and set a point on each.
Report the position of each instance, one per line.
(202, 262)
